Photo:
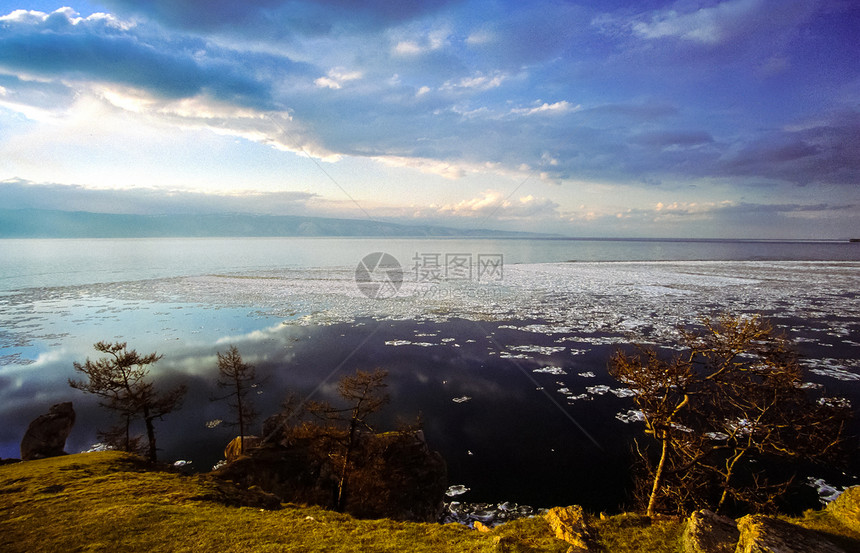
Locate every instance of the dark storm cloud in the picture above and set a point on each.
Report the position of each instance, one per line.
(825, 152)
(62, 46)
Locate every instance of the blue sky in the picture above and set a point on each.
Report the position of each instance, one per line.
(735, 118)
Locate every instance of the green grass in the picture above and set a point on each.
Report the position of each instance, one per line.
(115, 502)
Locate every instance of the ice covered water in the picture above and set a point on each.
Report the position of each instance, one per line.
(552, 324)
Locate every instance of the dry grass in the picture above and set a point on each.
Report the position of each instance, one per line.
(115, 502)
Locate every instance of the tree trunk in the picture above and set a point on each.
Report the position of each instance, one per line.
(730, 467)
(344, 473)
(150, 433)
(658, 476)
(241, 416)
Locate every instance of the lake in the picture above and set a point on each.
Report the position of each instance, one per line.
(519, 331)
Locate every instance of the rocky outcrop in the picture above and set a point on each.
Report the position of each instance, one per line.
(239, 446)
(46, 436)
(846, 507)
(394, 475)
(707, 532)
(763, 534)
(569, 524)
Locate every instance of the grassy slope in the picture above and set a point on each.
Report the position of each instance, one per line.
(111, 501)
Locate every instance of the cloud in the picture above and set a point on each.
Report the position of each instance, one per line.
(559, 107)
(724, 21)
(666, 139)
(337, 77)
(278, 19)
(62, 45)
(710, 25)
(21, 194)
(478, 81)
(494, 204)
(825, 151)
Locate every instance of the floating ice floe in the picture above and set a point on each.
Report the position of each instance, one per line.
(558, 371)
(580, 397)
(598, 390)
(542, 350)
(840, 369)
(632, 415)
(461, 399)
(826, 492)
(509, 355)
(623, 392)
(409, 343)
(213, 423)
(839, 402)
(99, 447)
(587, 374)
(457, 489)
(181, 463)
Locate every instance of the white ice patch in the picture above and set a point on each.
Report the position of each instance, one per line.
(558, 371)
(840, 369)
(542, 350)
(455, 490)
(826, 492)
(632, 415)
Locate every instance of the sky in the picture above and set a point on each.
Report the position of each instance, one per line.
(694, 118)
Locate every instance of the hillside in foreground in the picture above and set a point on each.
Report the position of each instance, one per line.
(113, 501)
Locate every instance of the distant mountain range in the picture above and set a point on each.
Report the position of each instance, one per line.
(39, 223)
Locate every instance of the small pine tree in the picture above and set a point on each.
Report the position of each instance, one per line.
(239, 379)
(120, 379)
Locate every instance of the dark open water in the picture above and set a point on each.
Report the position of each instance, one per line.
(292, 309)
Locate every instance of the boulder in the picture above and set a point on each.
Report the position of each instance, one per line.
(235, 448)
(481, 527)
(707, 532)
(763, 534)
(568, 524)
(46, 435)
(846, 507)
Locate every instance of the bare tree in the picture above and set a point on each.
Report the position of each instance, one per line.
(732, 416)
(120, 379)
(364, 394)
(239, 379)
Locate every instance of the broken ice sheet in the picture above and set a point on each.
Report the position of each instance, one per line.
(461, 399)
